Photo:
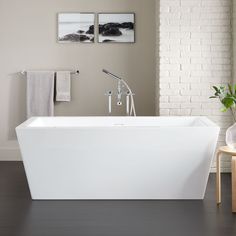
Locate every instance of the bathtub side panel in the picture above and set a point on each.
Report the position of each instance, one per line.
(118, 163)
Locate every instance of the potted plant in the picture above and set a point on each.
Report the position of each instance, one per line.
(227, 97)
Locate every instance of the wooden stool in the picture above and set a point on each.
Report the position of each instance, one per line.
(226, 150)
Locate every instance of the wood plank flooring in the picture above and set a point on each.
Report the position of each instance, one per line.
(19, 216)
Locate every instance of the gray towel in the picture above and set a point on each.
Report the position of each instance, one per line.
(63, 81)
(40, 93)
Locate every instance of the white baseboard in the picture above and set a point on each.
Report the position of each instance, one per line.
(10, 154)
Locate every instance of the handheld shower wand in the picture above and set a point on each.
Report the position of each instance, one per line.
(120, 80)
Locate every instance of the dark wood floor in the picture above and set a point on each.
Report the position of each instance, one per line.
(19, 216)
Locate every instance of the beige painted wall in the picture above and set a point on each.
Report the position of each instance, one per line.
(28, 41)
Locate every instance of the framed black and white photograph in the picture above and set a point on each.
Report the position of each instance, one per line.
(76, 27)
(116, 28)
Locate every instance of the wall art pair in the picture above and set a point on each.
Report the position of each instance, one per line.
(111, 27)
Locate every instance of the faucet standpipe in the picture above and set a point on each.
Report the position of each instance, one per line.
(109, 94)
(119, 94)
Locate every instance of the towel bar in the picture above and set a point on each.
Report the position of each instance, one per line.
(23, 72)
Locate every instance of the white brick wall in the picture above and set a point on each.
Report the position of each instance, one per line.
(195, 47)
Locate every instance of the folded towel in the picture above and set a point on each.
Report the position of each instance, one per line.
(63, 86)
(40, 93)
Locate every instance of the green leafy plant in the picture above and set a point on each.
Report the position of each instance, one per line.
(227, 97)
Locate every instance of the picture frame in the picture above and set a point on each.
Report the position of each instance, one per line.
(116, 27)
(76, 27)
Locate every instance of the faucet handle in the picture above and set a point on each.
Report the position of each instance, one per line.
(108, 93)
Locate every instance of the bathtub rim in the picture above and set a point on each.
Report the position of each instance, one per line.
(206, 123)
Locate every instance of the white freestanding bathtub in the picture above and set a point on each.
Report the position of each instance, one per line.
(117, 157)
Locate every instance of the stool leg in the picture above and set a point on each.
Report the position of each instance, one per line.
(218, 179)
(233, 166)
